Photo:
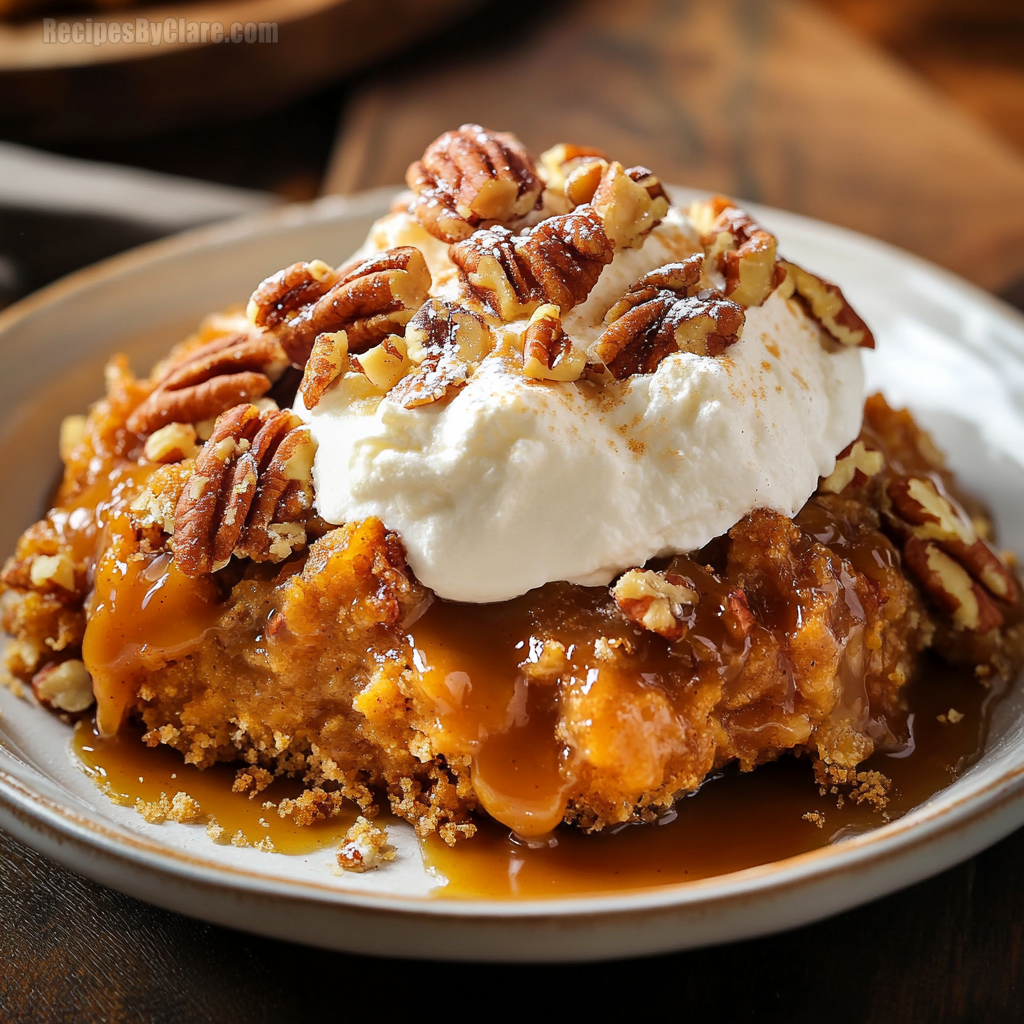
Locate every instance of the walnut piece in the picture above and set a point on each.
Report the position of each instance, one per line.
(666, 311)
(370, 301)
(559, 162)
(249, 494)
(547, 353)
(739, 248)
(210, 379)
(656, 600)
(826, 303)
(942, 548)
(444, 343)
(470, 176)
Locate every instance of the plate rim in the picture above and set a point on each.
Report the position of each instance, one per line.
(926, 826)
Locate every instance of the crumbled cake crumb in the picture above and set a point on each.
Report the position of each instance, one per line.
(364, 847)
(872, 789)
(954, 716)
(816, 818)
(186, 810)
(451, 832)
(265, 845)
(239, 839)
(252, 780)
(154, 811)
(216, 832)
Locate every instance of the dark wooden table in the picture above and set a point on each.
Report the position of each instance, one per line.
(768, 99)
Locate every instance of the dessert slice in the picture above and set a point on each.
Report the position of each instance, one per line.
(532, 509)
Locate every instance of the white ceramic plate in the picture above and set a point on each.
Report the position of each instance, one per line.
(952, 353)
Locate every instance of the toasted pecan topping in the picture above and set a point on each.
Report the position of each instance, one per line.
(547, 353)
(826, 303)
(64, 686)
(942, 548)
(659, 316)
(557, 163)
(658, 601)
(445, 342)
(208, 380)
(631, 203)
(249, 493)
(855, 464)
(328, 360)
(558, 262)
(739, 248)
(470, 176)
(288, 291)
(368, 302)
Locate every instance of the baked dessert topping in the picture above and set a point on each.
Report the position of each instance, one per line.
(608, 424)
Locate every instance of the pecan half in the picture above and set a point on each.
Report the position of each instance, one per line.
(368, 302)
(656, 601)
(826, 303)
(288, 291)
(547, 353)
(446, 342)
(659, 316)
(208, 380)
(739, 248)
(249, 493)
(469, 176)
(558, 262)
(936, 531)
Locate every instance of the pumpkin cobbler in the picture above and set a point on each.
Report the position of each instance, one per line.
(553, 500)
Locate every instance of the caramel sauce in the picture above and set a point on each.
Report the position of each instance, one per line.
(127, 770)
(735, 821)
(143, 609)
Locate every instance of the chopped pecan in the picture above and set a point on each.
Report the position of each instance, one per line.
(207, 380)
(469, 176)
(659, 316)
(558, 262)
(557, 163)
(328, 360)
(740, 249)
(657, 601)
(385, 364)
(373, 299)
(547, 353)
(938, 533)
(826, 303)
(172, 443)
(64, 686)
(445, 342)
(249, 494)
(631, 203)
(855, 464)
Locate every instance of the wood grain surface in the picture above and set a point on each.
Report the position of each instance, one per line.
(948, 949)
(770, 100)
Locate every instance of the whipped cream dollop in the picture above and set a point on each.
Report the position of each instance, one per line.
(513, 483)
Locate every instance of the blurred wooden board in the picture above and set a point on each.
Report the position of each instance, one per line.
(769, 100)
(54, 91)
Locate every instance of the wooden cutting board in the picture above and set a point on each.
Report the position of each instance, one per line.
(769, 100)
